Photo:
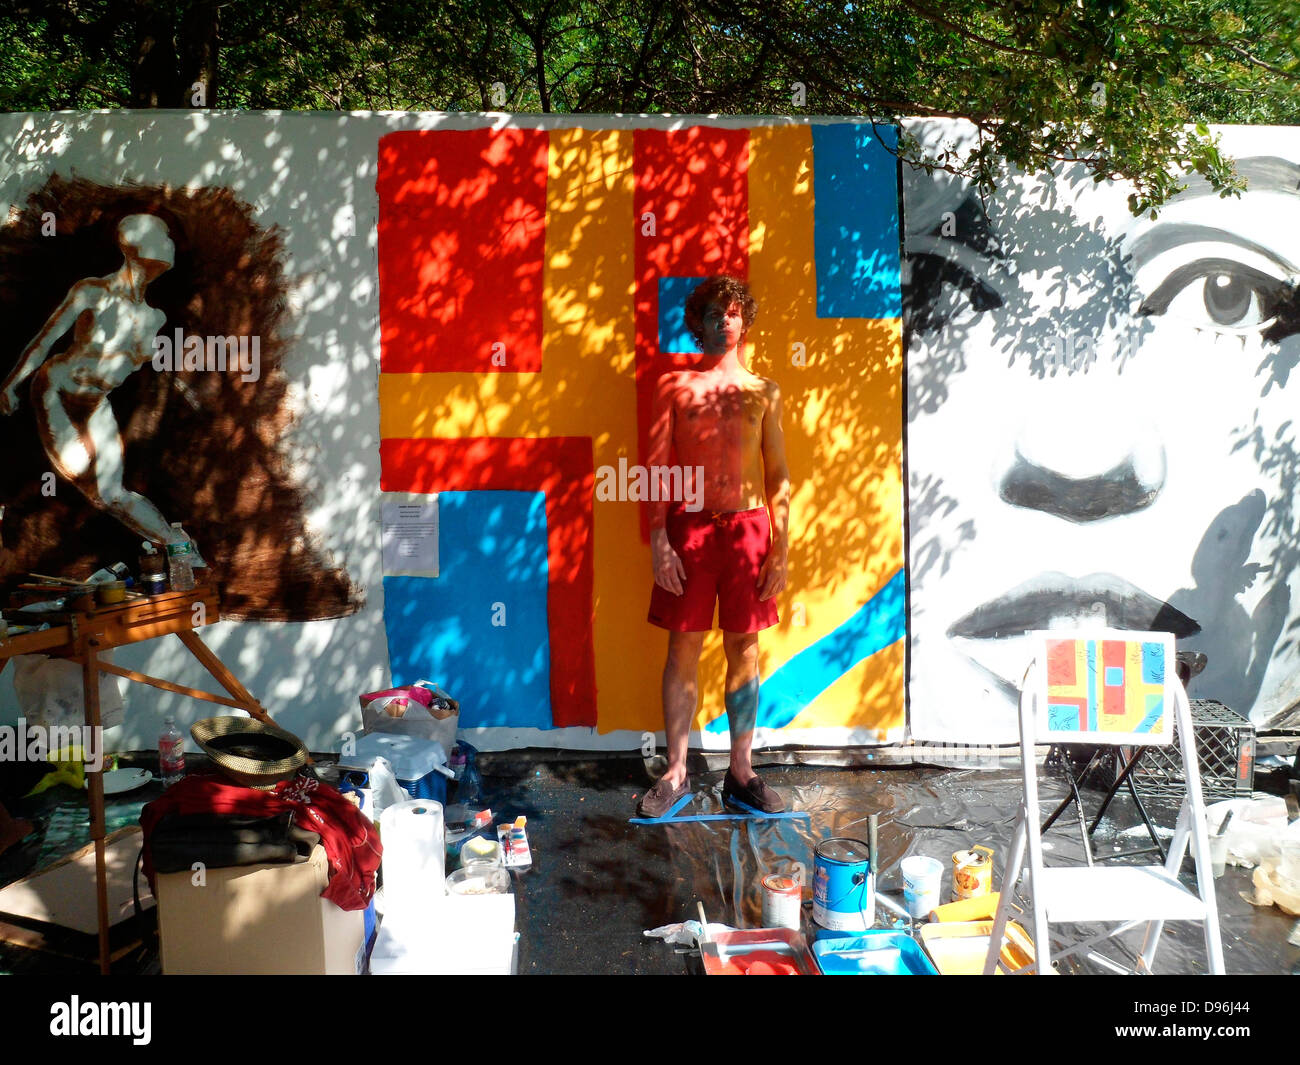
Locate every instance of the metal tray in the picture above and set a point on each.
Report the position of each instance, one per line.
(725, 947)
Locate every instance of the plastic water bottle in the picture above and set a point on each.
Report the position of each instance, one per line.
(171, 753)
(469, 789)
(197, 561)
(179, 552)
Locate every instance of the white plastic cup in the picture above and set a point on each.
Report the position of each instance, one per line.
(922, 878)
(1218, 854)
(1288, 863)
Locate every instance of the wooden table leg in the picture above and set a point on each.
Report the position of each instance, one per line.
(227, 680)
(224, 677)
(95, 785)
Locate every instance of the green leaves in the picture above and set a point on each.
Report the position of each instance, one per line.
(1126, 88)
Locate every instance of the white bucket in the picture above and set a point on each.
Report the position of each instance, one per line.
(922, 878)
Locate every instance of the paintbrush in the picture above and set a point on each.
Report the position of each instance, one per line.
(55, 580)
(708, 948)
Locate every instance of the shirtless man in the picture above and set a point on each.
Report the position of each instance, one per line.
(727, 421)
(113, 331)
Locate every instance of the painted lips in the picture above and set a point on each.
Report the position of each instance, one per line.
(1053, 597)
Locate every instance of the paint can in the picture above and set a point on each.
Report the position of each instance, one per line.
(110, 592)
(153, 583)
(782, 900)
(972, 873)
(844, 897)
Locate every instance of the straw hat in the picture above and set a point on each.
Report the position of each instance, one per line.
(250, 752)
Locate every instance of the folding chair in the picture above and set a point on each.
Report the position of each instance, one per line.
(1110, 688)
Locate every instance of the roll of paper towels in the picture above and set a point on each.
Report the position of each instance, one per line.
(414, 853)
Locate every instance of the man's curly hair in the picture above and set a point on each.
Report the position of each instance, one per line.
(724, 290)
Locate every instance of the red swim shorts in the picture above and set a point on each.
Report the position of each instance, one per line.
(722, 554)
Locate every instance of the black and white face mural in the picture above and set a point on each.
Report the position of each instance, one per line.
(1100, 430)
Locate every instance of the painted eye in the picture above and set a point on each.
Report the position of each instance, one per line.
(937, 289)
(1219, 294)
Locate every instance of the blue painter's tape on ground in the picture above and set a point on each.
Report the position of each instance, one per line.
(855, 221)
(673, 335)
(492, 549)
(784, 695)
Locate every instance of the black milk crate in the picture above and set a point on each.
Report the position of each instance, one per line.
(1225, 748)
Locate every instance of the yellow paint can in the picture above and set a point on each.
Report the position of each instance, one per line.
(972, 873)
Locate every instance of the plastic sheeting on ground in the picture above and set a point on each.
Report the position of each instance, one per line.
(598, 882)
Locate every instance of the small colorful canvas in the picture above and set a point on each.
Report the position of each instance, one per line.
(1111, 687)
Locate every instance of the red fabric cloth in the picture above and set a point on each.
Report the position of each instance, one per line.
(350, 840)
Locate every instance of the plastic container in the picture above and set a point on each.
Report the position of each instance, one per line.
(417, 763)
(410, 756)
(479, 879)
(171, 753)
(922, 878)
(180, 557)
(478, 850)
(958, 948)
(1218, 855)
(878, 953)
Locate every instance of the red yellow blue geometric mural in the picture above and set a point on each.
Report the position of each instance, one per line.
(531, 290)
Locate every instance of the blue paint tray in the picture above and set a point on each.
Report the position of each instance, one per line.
(878, 953)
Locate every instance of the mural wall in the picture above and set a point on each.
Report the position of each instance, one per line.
(532, 284)
(461, 320)
(1101, 428)
(515, 288)
(267, 449)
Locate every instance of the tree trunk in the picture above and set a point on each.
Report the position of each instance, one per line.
(198, 47)
(153, 67)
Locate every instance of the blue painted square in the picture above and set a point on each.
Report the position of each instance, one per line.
(674, 337)
(1153, 663)
(855, 221)
(492, 550)
(1062, 718)
(1114, 676)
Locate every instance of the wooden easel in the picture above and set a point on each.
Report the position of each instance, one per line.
(83, 635)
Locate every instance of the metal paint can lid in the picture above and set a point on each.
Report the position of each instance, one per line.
(781, 885)
(843, 849)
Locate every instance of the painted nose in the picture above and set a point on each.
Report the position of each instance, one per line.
(1082, 462)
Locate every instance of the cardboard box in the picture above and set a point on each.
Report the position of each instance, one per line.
(257, 920)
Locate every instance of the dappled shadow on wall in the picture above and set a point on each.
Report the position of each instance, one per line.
(1047, 289)
(200, 444)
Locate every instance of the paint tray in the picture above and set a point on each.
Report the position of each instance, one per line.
(730, 951)
(958, 947)
(879, 953)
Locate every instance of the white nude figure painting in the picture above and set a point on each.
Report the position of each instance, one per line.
(113, 331)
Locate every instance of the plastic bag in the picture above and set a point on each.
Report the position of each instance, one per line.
(1258, 828)
(686, 934)
(421, 709)
(49, 692)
